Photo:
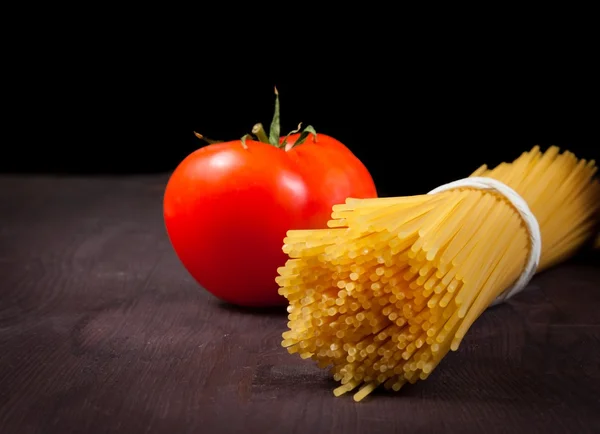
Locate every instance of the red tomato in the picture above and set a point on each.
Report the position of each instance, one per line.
(228, 206)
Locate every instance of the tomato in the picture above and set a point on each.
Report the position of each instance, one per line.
(228, 206)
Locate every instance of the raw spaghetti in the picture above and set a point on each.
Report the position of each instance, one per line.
(395, 283)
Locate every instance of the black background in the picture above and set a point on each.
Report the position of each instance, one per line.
(416, 119)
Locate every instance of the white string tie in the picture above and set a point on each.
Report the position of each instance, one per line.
(531, 223)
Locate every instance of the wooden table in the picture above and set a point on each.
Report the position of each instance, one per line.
(103, 331)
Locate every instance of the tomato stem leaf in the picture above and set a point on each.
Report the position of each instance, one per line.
(304, 135)
(206, 139)
(259, 131)
(244, 138)
(284, 142)
(275, 129)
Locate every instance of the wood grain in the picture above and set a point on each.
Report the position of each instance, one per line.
(103, 331)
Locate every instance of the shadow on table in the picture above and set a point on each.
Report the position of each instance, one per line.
(258, 311)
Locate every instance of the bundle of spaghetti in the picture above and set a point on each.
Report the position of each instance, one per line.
(393, 284)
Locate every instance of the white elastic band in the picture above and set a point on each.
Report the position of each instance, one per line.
(529, 219)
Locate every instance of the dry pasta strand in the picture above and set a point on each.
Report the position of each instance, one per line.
(394, 284)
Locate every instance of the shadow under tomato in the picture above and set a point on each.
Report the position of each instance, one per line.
(250, 310)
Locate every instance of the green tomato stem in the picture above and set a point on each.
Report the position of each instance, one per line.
(243, 140)
(303, 136)
(273, 138)
(275, 129)
(284, 143)
(259, 131)
(206, 139)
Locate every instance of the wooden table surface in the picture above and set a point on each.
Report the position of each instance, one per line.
(103, 331)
